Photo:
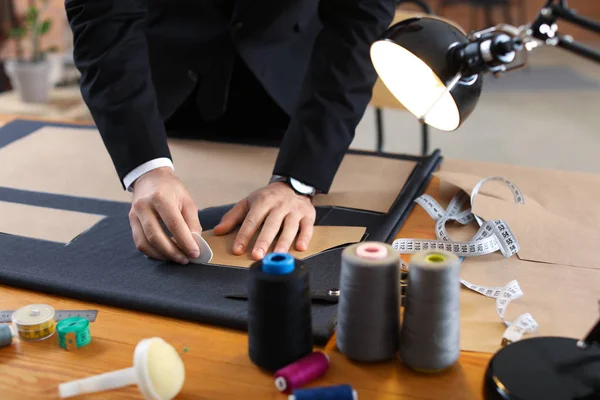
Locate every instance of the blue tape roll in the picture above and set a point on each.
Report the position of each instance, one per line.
(278, 263)
(341, 392)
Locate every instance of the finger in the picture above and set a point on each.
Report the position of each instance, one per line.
(232, 218)
(268, 232)
(158, 239)
(139, 238)
(289, 232)
(190, 216)
(306, 233)
(251, 223)
(176, 224)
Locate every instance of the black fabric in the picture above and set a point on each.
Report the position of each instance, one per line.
(103, 266)
(140, 60)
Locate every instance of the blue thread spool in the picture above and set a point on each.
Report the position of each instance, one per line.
(341, 392)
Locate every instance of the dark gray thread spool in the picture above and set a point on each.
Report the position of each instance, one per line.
(430, 336)
(369, 305)
(7, 333)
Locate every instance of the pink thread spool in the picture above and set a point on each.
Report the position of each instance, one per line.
(301, 372)
(372, 251)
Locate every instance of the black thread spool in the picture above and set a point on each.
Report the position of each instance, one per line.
(279, 312)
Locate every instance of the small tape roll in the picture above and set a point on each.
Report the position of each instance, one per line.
(34, 322)
(73, 333)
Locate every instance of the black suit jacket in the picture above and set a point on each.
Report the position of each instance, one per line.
(137, 59)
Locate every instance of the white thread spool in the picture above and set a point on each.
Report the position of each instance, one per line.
(430, 336)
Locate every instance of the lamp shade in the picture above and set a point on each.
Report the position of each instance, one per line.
(412, 59)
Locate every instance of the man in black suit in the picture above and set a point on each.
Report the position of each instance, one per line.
(292, 72)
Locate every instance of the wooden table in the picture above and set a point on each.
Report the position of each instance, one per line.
(217, 364)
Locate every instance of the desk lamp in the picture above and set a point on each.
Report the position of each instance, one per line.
(435, 71)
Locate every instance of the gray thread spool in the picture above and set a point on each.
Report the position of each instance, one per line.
(430, 336)
(369, 305)
(7, 333)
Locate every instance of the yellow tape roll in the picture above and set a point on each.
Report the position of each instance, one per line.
(34, 322)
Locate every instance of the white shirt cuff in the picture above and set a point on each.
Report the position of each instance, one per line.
(144, 168)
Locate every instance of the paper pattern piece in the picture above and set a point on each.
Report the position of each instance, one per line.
(543, 235)
(44, 223)
(74, 161)
(324, 237)
(562, 298)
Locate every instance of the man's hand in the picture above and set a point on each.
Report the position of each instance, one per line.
(278, 207)
(160, 195)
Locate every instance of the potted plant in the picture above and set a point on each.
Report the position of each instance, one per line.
(30, 76)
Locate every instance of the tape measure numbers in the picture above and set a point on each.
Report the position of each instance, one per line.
(90, 315)
(492, 236)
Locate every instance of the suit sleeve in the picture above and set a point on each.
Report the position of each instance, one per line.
(337, 88)
(110, 51)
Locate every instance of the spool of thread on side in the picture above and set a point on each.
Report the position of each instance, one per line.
(279, 312)
(302, 372)
(369, 305)
(430, 336)
(340, 392)
(7, 334)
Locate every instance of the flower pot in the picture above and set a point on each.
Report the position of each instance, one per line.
(30, 80)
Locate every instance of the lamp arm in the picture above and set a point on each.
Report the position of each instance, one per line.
(544, 28)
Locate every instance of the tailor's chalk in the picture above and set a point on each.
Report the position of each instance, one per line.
(206, 253)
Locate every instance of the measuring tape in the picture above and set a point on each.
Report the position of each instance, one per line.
(59, 315)
(73, 333)
(492, 236)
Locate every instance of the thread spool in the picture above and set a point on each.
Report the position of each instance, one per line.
(73, 333)
(369, 305)
(34, 322)
(340, 392)
(430, 337)
(301, 372)
(279, 312)
(7, 334)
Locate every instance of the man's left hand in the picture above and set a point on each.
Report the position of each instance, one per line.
(276, 207)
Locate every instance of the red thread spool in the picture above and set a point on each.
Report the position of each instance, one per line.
(301, 372)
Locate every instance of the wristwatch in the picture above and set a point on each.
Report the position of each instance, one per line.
(295, 184)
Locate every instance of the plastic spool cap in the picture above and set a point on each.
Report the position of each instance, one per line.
(278, 263)
(157, 370)
(280, 383)
(372, 251)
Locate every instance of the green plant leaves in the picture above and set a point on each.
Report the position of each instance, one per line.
(18, 32)
(44, 27)
(32, 15)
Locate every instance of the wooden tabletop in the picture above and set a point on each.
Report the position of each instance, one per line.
(217, 364)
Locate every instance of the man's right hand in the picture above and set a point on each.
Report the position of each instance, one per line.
(160, 195)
